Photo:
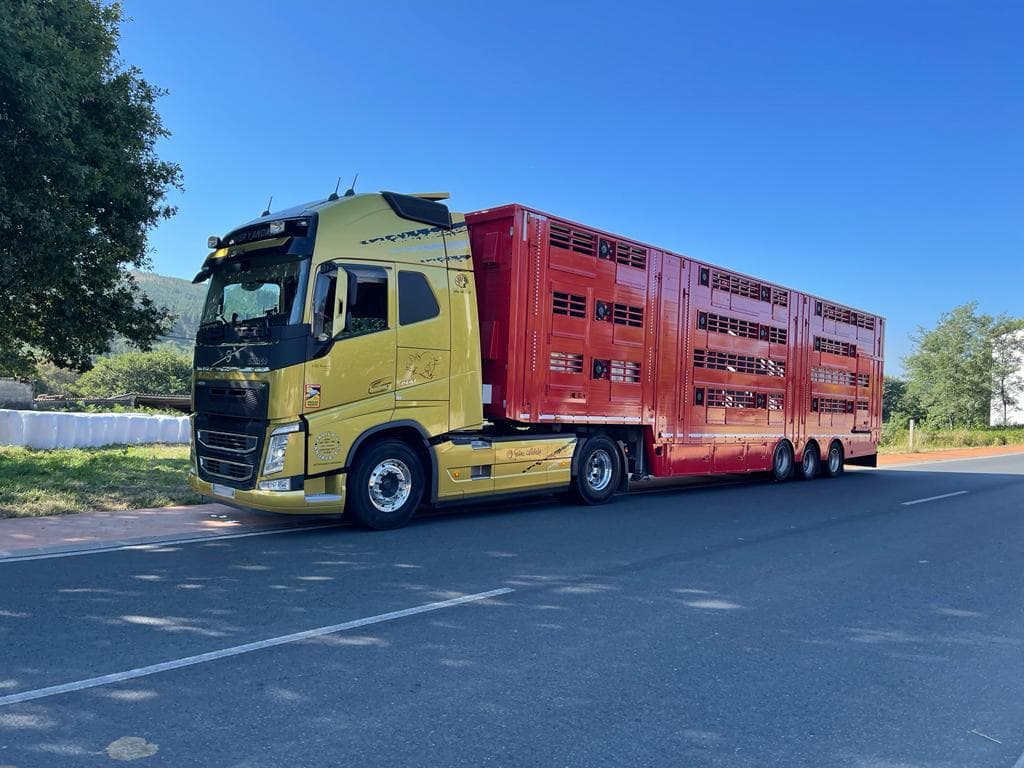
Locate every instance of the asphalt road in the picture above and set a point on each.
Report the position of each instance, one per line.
(807, 624)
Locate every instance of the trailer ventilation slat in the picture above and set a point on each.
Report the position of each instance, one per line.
(732, 326)
(832, 405)
(780, 298)
(631, 255)
(625, 372)
(731, 398)
(841, 348)
(624, 314)
(565, 362)
(862, 405)
(838, 376)
(727, 361)
(741, 286)
(844, 315)
(745, 329)
(572, 239)
(776, 401)
(569, 304)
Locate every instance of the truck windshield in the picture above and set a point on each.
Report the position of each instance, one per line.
(256, 289)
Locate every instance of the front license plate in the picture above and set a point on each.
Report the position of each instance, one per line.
(223, 490)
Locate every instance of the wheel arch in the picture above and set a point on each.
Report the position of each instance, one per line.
(409, 432)
(581, 441)
(810, 441)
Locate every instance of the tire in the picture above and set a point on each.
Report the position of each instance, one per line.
(810, 464)
(833, 464)
(385, 486)
(782, 462)
(599, 471)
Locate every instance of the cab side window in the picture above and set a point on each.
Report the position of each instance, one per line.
(367, 310)
(416, 301)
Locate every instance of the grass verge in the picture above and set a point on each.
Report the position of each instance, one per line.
(59, 482)
(897, 439)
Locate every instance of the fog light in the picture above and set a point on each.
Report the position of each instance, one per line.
(276, 485)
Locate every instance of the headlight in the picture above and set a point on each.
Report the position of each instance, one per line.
(277, 447)
(275, 454)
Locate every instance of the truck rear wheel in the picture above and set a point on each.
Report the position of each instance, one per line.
(385, 486)
(782, 461)
(599, 471)
(810, 464)
(834, 461)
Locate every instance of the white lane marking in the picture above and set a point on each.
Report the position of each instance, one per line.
(259, 645)
(933, 498)
(159, 543)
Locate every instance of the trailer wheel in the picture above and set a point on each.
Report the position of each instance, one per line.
(599, 471)
(834, 461)
(782, 462)
(810, 465)
(385, 486)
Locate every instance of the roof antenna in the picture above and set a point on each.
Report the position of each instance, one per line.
(266, 211)
(334, 194)
(352, 190)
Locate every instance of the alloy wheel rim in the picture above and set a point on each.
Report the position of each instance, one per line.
(599, 470)
(833, 459)
(390, 485)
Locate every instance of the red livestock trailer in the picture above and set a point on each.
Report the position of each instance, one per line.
(697, 369)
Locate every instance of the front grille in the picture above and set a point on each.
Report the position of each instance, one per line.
(226, 441)
(229, 470)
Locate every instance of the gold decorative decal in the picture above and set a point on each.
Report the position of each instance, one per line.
(312, 395)
(558, 453)
(327, 446)
(461, 283)
(521, 454)
(420, 366)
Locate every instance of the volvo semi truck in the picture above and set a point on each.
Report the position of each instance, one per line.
(377, 353)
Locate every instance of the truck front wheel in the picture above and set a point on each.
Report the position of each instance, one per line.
(385, 486)
(599, 471)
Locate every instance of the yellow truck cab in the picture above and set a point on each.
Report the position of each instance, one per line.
(337, 367)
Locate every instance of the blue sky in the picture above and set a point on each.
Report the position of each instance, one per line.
(869, 152)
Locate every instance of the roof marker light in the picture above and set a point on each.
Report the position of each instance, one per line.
(275, 227)
(213, 242)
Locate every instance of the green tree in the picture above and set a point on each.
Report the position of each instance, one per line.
(949, 373)
(1007, 368)
(897, 402)
(80, 185)
(163, 371)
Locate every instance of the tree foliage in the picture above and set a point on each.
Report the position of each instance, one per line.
(898, 403)
(950, 372)
(163, 371)
(80, 185)
(1007, 368)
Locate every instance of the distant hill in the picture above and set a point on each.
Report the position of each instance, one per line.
(183, 298)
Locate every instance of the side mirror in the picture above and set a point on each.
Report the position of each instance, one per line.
(325, 303)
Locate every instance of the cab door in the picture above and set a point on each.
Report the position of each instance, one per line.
(350, 380)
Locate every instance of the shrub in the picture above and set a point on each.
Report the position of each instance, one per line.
(163, 371)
